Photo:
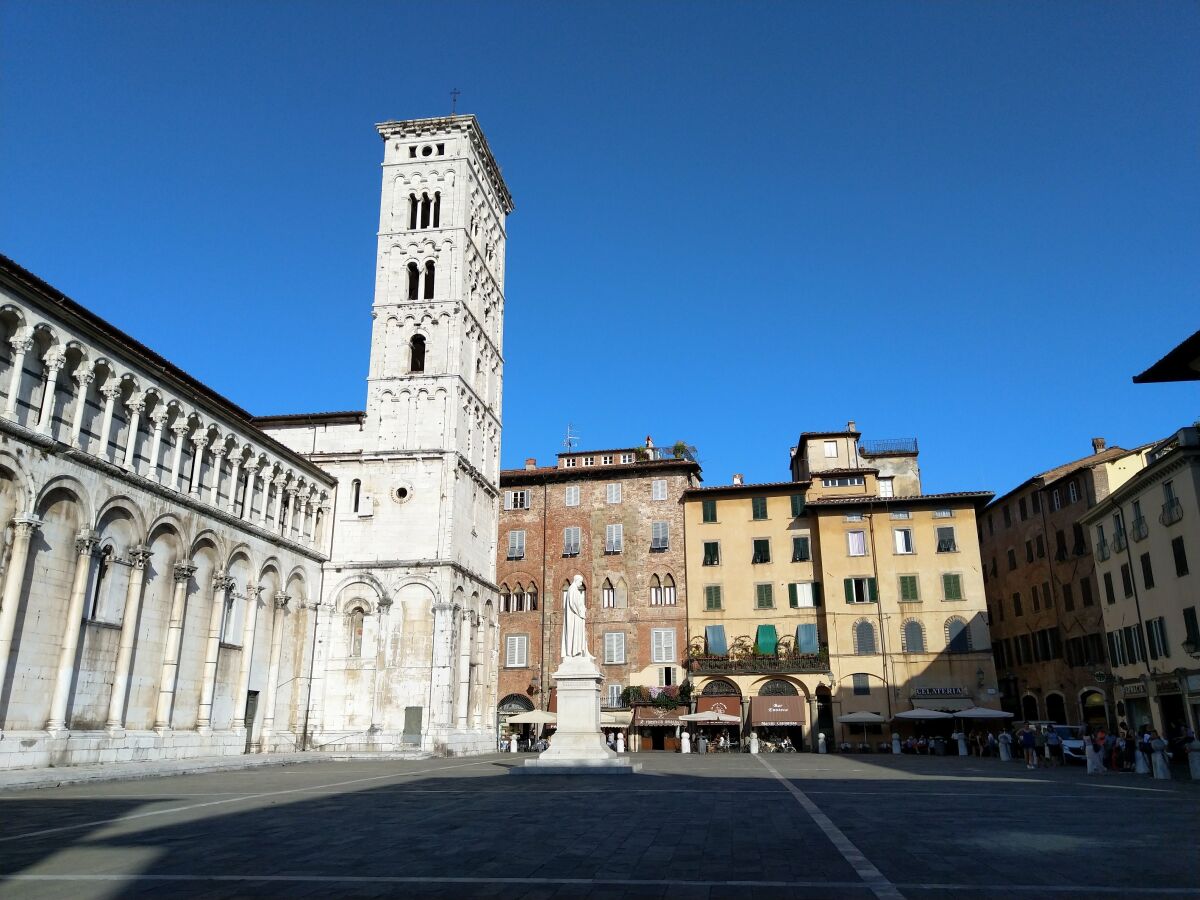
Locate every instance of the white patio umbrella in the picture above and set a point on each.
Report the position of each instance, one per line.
(711, 717)
(533, 717)
(923, 714)
(862, 718)
(982, 712)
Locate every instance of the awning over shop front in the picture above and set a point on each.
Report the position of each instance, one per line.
(780, 712)
(714, 640)
(657, 716)
(730, 706)
(944, 704)
(766, 639)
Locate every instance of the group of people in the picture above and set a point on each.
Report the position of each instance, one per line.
(979, 743)
(718, 744)
(1145, 752)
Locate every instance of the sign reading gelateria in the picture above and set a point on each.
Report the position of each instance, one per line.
(939, 692)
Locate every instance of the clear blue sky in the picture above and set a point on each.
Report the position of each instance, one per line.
(965, 222)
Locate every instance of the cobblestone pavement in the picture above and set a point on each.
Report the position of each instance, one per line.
(780, 825)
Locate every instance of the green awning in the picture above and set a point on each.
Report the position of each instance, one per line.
(766, 640)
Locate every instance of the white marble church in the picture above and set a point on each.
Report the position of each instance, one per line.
(180, 578)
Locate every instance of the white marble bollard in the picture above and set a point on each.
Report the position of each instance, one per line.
(512, 744)
(685, 743)
(621, 742)
(754, 742)
(895, 743)
(821, 748)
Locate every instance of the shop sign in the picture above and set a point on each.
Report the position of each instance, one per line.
(1136, 689)
(939, 692)
(1166, 686)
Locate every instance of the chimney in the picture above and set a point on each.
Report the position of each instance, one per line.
(1098, 444)
(738, 478)
(531, 463)
(850, 426)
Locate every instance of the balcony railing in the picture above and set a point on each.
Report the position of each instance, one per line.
(885, 446)
(1172, 512)
(1140, 529)
(1119, 541)
(1102, 551)
(782, 663)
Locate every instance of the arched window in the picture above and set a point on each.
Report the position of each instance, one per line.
(912, 637)
(416, 357)
(655, 591)
(518, 598)
(104, 561)
(668, 591)
(425, 210)
(1029, 708)
(355, 494)
(505, 598)
(437, 210)
(958, 635)
(721, 688)
(608, 595)
(864, 638)
(414, 281)
(429, 272)
(777, 687)
(356, 632)
(531, 598)
(412, 212)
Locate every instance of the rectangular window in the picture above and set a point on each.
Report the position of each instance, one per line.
(712, 597)
(1126, 580)
(1156, 638)
(627, 457)
(764, 596)
(946, 542)
(1060, 545)
(1072, 492)
(613, 492)
(854, 517)
(1029, 551)
(662, 645)
(708, 510)
(803, 595)
(1017, 611)
(903, 540)
(1037, 598)
(516, 651)
(901, 514)
(843, 481)
(570, 462)
(516, 499)
(797, 505)
(613, 695)
(1109, 594)
(831, 449)
(1021, 509)
(589, 460)
(1147, 571)
(952, 586)
(1181, 566)
(1055, 500)
(1068, 597)
(666, 676)
(762, 550)
(1085, 591)
(910, 591)
(1041, 547)
(943, 514)
(606, 459)
(516, 545)
(862, 684)
(571, 540)
(571, 497)
(658, 489)
(886, 488)
(860, 590)
(1191, 627)
(758, 507)
(712, 553)
(856, 543)
(1012, 559)
(1047, 597)
(1007, 516)
(614, 538)
(614, 648)
(659, 537)
(801, 551)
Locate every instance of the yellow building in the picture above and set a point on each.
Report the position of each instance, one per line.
(842, 591)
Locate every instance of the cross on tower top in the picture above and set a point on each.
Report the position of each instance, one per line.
(454, 100)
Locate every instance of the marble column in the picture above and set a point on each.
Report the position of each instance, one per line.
(136, 407)
(20, 347)
(463, 700)
(83, 377)
(212, 648)
(266, 504)
(54, 363)
(159, 420)
(251, 488)
(139, 556)
(243, 682)
(290, 499)
(441, 697)
(23, 530)
(236, 473)
(180, 430)
(200, 441)
(280, 482)
(182, 574)
(278, 621)
(214, 491)
(111, 392)
(307, 534)
(60, 693)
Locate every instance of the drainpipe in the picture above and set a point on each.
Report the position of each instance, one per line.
(887, 688)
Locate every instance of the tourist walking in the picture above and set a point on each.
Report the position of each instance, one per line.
(1028, 746)
(1053, 747)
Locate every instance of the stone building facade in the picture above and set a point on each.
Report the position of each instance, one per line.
(615, 518)
(162, 556)
(1043, 594)
(829, 594)
(410, 644)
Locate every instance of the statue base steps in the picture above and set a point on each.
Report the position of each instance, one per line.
(543, 766)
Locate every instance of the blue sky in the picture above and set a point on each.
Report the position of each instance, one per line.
(966, 222)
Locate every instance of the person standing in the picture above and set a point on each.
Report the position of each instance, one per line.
(1005, 741)
(1039, 744)
(1053, 747)
(1159, 761)
(1028, 746)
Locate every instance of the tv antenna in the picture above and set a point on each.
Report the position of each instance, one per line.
(571, 441)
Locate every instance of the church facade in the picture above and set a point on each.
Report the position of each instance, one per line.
(180, 578)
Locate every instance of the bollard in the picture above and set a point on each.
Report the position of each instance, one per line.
(821, 748)
(621, 742)
(754, 742)
(895, 743)
(685, 743)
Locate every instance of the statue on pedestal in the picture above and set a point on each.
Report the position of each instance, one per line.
(574, 632)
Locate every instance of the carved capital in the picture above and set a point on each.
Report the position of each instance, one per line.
(25, 526)
(281, 600)
(219, 450)
(21, 344)
(136, 407)
(180, 429)
(183, 572)
(84, 375)
(85, 542)
(385, 604)
(139, 556)
(200, 440)
(253, 594)
(252, 467)
(111, 391)
(54, 360)
(159, 418)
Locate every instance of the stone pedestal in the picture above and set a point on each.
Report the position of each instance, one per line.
(578, 746)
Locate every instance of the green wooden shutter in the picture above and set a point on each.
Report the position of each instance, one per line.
(848, 584)
(797, 504)
(793, 598)
(872, 593)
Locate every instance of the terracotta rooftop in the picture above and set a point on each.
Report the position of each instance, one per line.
(983, 496)
(862, 470)
(303, 418)
(560, 473)
(762, 485)
(1058, 472)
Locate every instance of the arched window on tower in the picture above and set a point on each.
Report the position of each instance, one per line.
(656, 597)
(505, 598)
(412, 212)
(356, 632)
(437, 210)
(355, 494)
(531, 598)
(608, 595)
(668, 591)
(416, 360)
(414, 281)
(429, 270)
(518, 598)
(426, 203)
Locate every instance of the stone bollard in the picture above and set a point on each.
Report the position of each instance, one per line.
(621, 742)
(754, 742)
(821, 748)
(895, 743)
(685, 743)
(512, 744)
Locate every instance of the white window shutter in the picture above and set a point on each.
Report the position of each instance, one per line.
(508, 499)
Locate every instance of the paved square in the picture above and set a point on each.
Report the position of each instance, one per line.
(794, 825)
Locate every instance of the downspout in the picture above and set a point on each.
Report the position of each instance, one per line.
(887, 688)
(547, 596)
(1137, 600)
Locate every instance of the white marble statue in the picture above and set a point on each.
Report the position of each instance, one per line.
(574, 634)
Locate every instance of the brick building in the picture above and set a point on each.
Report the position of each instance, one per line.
(1043, 597)
(615, 518)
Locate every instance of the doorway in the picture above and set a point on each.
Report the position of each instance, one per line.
(248, 721)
